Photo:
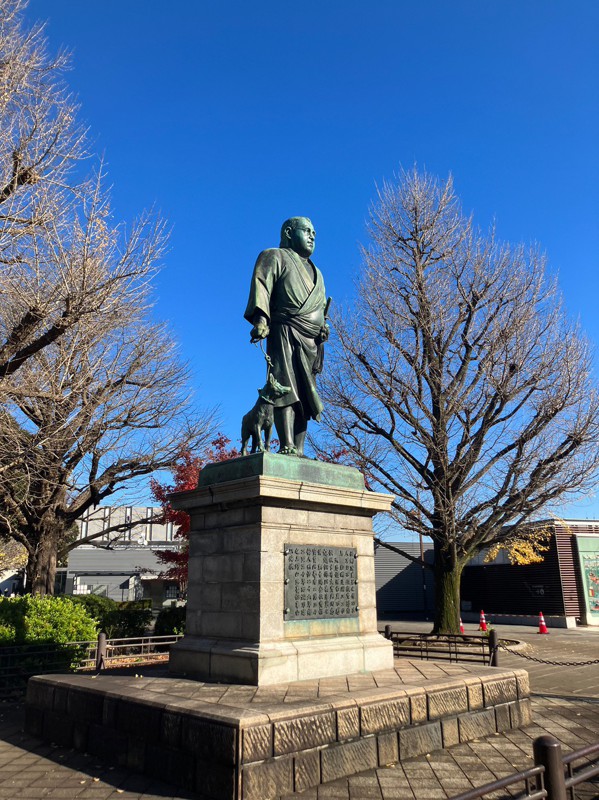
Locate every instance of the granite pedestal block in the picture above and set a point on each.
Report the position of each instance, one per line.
(246, 515)
(239, 742)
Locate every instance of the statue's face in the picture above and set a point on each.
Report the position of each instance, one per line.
(302, 238)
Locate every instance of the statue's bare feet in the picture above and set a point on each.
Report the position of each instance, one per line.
(288, 451)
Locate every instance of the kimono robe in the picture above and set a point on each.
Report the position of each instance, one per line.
(294, 304)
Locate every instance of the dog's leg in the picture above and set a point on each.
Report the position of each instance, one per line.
(267, 436)
(259, 445)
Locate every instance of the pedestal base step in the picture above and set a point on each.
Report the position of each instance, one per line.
(234, 742)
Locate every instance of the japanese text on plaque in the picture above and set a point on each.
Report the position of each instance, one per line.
(320, 582)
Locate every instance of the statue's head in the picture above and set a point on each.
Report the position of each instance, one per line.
(298, 234)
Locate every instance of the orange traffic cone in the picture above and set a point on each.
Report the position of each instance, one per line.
(482, 625)
(462, 626)
(542, 626)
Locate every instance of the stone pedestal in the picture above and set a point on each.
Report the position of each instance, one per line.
(247, 515)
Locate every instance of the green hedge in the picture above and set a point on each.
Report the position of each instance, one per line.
(41, 620)
(170, 621)
(117, 620)
(44, 628)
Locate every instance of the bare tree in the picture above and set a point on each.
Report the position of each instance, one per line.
(102, 405)
(93, 394)
(457, 383)
(41, 197)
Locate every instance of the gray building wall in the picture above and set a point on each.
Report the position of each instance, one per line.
(402, 585)
(121, 564)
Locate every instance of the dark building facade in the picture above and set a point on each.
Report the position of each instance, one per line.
(565, 585)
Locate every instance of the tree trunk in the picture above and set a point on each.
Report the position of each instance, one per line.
(41, 567)
(448, 576)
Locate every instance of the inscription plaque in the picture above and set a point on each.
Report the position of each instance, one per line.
(320, 582)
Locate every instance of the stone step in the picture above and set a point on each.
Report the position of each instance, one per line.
(237, 742)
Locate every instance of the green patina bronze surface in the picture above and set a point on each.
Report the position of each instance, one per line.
(273, 465)
(287, 306)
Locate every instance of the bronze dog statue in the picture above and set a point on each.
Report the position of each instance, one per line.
(261, 417)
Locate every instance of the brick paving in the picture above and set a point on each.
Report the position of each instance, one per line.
(566, 706)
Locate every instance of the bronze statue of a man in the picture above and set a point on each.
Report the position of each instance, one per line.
(287, 306)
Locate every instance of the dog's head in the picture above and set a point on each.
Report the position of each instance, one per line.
(272, 390)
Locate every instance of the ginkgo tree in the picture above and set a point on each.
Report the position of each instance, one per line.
(94, 391)
(457, 382)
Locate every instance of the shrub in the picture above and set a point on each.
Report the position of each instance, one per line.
(127, 622)
(170, 621)
(41, 620)
(117, 620)
(98, 607)
(45, 627)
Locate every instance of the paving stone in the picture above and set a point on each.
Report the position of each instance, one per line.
(268, 779)
(110, 711)
(503, 717)
(80, 730)
(208, 740)
(514, 746)
(306, 770)
(40, 694)
(302, 733)
(348, 723)
(257, 743)
(135, 717)
(170, 728)
(477, 724)
(58, 729)
(108, 744)
(61, 694)
(500, 691)
(446, 702)
(215, 781)
(420, 739)
(85, 705)
(450, 732)
(418, 707)
(341, 759)
(388, 748)
(521, 713)
(136, 753)
(475, 695)
(34, 720)
(171, 765)
(389, 715)
(522, 683)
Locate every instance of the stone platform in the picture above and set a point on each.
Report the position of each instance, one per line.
(237, 742)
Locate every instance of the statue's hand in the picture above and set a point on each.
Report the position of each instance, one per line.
(259, 331)
(323, 334)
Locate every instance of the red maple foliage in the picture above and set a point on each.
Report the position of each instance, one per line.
(185, 472)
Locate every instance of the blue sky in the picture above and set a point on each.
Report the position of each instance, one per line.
(229, 117)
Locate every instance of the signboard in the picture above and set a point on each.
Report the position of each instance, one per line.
(320, 582)
(588, 556)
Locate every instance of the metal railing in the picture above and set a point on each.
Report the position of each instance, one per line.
(479, 649)
(18, 663)
(553, 776)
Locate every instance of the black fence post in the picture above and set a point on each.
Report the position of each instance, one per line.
(493, 648)
(547, 753)
(387, 631)
(101, 652)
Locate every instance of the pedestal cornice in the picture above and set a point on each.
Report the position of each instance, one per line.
(264, 489)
